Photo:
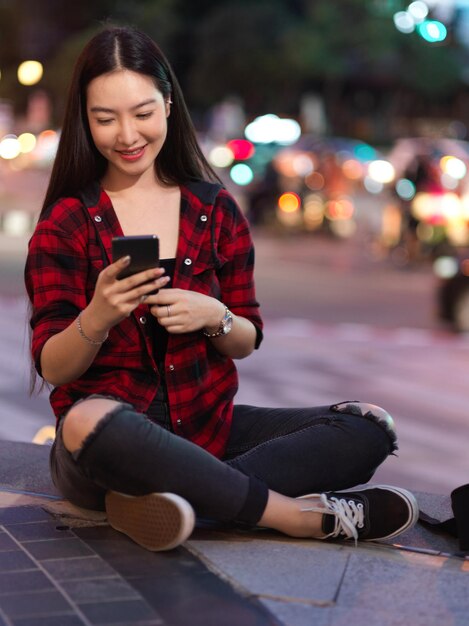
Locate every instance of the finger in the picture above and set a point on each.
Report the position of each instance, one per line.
(167, 296)
(141, 279)
(112, 270)
(145, 291)
(150, 298)
(176, 329)
(164, 313)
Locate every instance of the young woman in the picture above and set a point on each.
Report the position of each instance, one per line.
(143, 385)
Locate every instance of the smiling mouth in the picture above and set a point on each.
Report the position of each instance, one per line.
(131, 152)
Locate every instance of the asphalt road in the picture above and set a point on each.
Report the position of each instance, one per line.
(339, 325)
(337, 281)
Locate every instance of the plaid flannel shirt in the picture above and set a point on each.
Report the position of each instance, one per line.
(215, 256)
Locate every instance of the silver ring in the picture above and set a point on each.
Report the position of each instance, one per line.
(168, 306)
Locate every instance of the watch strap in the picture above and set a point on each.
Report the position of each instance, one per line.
(221, 328)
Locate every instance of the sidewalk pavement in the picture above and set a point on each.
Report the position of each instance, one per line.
(64, 566)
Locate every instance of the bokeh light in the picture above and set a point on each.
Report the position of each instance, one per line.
(315, 181)
(445, 267)
(302, 165)
(313, 208)
(289, 202)
(364, 153)
(418, 11)
(381, 171)
(30, 72)
(221, 156)
(242, 149)
(432, 31)
(270, 128)
(404, 22)
(405, 188)
(453, 166)
(10, 147)
(448, 181)
(372, 185)
(27, 142)
(352, 169)
(16, 222)
(46, 147)
(341, 209)
(241, 174)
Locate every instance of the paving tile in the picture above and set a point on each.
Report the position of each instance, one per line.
(32, 580)
(15, 561)
(57, 548)
(63, 619)
(120, 552)
(436, 585)
(379, 616)
(38, 530)
(155, 622)
(306, 615)
(265, 567)
(78, 568)
(176, 584)
(202, 596)
(21, 514)
(295, 614)
(30, 604)
(99, 589)
(127, 611)
(6, 543)
(102, 533)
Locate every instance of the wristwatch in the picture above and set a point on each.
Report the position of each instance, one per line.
(225, 326)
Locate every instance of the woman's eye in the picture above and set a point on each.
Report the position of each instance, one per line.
(103, 122)
(144, 116)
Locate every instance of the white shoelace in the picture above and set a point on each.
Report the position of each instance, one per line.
(349, 515)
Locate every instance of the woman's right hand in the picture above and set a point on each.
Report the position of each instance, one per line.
(115, 299)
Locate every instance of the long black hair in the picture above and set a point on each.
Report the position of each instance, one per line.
(78, 162)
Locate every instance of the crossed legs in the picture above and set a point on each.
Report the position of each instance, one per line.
(105, 445)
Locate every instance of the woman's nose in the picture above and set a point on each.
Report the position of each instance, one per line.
(128, 134)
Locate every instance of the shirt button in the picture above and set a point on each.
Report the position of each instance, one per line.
(171, 368)
(203, 218)
(98, 218)
(178, 422)
(142, 320)
(187, 261)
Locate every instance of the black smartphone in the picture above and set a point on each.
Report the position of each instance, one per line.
(144, 252)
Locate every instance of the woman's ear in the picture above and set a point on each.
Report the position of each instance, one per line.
(167, 106)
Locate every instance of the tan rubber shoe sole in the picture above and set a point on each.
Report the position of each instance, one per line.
(157, 521)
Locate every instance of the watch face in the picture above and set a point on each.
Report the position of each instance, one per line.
(227, 323)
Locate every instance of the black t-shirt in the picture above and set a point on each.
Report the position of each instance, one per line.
(160, 334)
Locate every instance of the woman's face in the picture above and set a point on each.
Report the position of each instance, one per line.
(128, 121)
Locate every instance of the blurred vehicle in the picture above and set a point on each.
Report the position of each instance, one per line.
(430, 188)
(452, 272)
(310, 185)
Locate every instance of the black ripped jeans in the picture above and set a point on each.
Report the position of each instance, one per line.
(291, 451)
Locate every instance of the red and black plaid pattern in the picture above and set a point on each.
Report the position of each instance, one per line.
(215, 256)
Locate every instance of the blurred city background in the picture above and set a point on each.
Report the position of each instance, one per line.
(342, 128)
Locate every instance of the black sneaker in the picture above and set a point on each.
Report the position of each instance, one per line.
(366, 513)
(157, 521)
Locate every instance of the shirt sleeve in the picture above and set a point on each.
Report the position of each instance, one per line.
(55, 278)
(236, 272)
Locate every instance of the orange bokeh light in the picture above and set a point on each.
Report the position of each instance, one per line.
(289, 202)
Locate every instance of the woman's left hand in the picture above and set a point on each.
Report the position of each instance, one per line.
(183, 311)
